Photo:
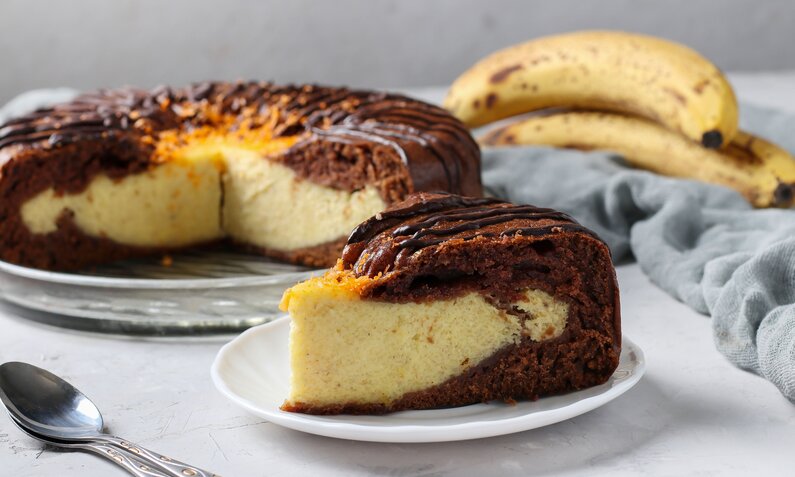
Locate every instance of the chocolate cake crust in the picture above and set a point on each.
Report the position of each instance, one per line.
(459, 244)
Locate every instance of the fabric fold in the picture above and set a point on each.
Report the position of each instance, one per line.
(703, 244)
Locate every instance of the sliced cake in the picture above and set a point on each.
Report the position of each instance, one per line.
(444, 300)
(287, 171)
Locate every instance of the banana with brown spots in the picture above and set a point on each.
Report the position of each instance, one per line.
(758, 169)
(624, 72)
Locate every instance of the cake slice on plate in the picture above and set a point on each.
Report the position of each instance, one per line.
(444, 300)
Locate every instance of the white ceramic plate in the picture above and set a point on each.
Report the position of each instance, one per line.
(253, 372)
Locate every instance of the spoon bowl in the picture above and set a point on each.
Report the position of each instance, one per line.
(47, 404)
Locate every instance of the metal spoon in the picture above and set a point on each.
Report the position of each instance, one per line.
(125, 460)
(52, 408)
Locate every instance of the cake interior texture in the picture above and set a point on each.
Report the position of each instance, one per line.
(483, 314)
(425, 344)
(205, 190)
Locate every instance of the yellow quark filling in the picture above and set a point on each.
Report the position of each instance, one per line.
(204, 186)
(344, 349)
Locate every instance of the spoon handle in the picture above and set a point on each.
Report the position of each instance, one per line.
(168, 465)
(122, 459)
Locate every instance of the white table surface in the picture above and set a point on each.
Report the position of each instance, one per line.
(692, 414)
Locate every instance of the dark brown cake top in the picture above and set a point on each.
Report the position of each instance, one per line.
(388, 240)
(423, 135)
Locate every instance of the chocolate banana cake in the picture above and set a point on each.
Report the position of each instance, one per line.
(284, 170)
(444, 300)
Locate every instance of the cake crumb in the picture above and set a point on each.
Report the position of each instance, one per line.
(167, 261)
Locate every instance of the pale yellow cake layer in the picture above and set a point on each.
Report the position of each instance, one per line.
(344, 349)
(267, 205)
(179, 202)
(174, 204)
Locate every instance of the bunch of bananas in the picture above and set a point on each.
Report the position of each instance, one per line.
(659, 104)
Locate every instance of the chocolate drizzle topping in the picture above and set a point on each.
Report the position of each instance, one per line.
(337, 115)
(386, 241)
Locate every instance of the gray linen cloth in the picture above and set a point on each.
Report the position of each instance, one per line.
(703, 244)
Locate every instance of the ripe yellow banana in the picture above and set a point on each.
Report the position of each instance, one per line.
(758, 169)
(605, 70)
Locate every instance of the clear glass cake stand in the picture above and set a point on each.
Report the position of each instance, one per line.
(198, 293)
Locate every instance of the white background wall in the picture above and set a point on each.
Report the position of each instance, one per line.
(378, 43)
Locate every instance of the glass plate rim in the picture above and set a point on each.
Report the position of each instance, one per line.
(151, 283)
